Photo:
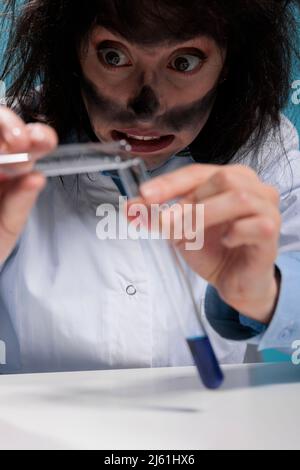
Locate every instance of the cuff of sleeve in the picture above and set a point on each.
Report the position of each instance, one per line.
(284, 328)
(256, 326)
(226, 321)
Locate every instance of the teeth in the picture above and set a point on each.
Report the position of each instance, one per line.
(136, 137)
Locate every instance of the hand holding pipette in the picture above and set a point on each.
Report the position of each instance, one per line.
(18, 194)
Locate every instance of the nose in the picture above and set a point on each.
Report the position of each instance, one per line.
(146, 104)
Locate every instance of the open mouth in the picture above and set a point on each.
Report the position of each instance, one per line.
(144, 142)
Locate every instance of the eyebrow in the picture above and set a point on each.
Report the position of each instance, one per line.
(172, 42)
(107, 43)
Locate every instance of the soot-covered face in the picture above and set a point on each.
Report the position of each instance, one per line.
(156, 96)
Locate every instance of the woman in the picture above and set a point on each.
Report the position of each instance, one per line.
(185, 83)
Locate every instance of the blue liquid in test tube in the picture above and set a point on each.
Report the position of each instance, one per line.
(206, 362)
(196, 336)
(194, 331)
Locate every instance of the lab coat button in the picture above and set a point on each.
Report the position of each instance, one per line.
(131, 290)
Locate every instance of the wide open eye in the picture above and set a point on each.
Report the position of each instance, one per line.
(113, 57)
(186, 63)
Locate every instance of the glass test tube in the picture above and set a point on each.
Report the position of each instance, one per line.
(195, 333)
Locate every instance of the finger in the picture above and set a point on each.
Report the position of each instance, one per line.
(234, 205)
(176, 184)
(184, 181)
(273, 195)
(226, 208)
(227, 180)
(43, 139)
(223, 209)
(13, 133)
(17, 203)
(261, 230)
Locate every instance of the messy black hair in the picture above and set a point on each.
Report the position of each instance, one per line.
(260, 37)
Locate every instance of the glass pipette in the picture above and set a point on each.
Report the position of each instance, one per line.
(67, 160)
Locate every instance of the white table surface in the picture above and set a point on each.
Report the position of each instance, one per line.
(258, 407)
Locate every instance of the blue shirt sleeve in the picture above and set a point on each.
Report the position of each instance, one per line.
(285, 326)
